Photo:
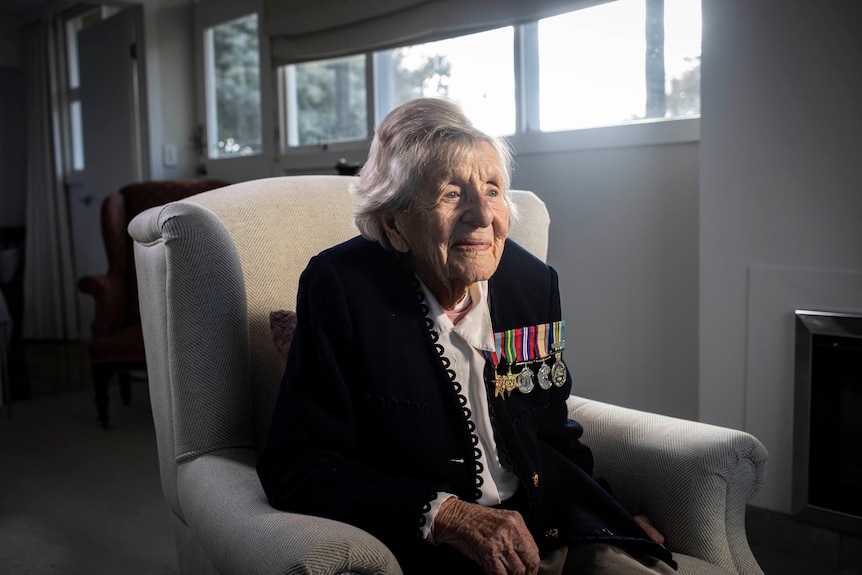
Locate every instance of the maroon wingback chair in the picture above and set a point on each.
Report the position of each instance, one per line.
(117, 344)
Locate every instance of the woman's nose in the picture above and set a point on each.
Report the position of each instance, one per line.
(478, 211)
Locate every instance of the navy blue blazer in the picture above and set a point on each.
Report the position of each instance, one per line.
(369, 423)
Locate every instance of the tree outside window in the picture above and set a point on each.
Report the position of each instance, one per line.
(233, 88)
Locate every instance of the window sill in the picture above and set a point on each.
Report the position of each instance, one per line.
(636, 134)
(644, 133)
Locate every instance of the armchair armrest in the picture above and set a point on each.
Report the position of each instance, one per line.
(222, 499)
(692, 479)
(109, 291)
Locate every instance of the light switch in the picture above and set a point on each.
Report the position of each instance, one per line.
(170, 157)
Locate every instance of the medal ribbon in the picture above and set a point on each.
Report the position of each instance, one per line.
(542, 340)
(559, 336)
(528, 343)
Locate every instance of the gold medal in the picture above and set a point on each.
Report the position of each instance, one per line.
(505, 384)
(500, 386)
(511, 382)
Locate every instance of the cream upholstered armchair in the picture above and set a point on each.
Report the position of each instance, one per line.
(214, 267)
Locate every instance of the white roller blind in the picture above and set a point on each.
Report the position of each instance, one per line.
(303, 30)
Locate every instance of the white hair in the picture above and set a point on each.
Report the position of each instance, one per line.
(413, 145)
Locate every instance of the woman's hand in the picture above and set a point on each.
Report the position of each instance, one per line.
(649, 528)
(496, 539)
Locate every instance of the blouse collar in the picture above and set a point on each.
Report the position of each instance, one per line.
(475, 327)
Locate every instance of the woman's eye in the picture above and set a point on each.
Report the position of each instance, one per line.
(451, 195)
(493, 193)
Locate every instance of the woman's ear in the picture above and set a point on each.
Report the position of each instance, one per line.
(393, 231)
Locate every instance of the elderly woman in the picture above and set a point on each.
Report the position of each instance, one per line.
(424, 394)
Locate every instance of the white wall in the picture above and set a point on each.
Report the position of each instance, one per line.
(624, 241)
(170, 86)
(780, 203)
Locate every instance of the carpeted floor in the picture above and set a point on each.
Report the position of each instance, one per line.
(75, 499)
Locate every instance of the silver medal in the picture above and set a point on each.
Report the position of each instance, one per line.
(558, 372)
(525, 380)
(544, 376)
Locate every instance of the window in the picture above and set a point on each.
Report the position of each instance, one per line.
(326, 101)
(477, 71)
(610, 64)
(77, 134)
(600, 66)
(682, 38)
(74, 24)
(232, 80)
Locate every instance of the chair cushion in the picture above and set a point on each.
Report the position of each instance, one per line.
(689, 565)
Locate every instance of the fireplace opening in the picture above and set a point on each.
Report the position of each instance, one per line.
(827, 474)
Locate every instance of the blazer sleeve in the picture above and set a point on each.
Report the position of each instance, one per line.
(310, 463)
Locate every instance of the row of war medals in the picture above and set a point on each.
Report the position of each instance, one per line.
(526, 379)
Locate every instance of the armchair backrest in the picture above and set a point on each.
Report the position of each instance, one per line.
(117, 211)
(211, 269)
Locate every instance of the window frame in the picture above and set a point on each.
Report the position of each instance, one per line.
(528, 139)
(70, 123)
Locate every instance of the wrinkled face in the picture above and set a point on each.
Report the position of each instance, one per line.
(457, 226)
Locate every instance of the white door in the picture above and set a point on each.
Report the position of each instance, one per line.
(110, 55)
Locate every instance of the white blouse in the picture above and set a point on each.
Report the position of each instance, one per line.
(465, 344)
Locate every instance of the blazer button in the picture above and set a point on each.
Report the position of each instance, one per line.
(535, 479)
(551, 533)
